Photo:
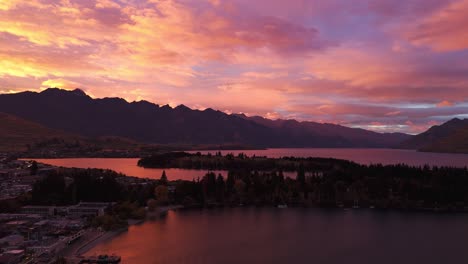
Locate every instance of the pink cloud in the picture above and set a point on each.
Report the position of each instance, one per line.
(443, 30)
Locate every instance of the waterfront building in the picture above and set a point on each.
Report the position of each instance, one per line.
(40, 210)
(88, 209)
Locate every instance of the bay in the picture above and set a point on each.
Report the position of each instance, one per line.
(294, 235)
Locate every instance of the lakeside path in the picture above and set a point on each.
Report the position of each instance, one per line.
(103, 237)
(70, 251)
(74, 253)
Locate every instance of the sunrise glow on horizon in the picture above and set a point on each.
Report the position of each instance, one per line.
(387, 66)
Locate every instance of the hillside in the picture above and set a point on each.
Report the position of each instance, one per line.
(33, 139)
(457, 142)
(16, 133)
(451, 136)
(76, 112)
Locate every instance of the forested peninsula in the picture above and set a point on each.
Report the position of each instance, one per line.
(320, 182)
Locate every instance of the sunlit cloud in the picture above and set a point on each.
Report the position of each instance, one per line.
(382, 65)
(445, 103)
(62, 83)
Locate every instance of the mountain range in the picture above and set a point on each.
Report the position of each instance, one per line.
(76, 112)
(450, 137)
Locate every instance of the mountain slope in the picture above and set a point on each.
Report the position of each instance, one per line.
(16, 133)
(20, 135)
(345, 135)
(75, 112)
(451, 136)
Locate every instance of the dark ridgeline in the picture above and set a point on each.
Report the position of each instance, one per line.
(342, 135)
(451, 137)
(75, 112)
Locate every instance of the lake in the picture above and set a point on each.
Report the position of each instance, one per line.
(293, 235)
(129, 166)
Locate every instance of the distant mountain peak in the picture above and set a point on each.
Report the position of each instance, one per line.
(454, 120)
(182, 107)
(51, 90)
(209, 110)
(79, 92)
(59, 91)
(438, 137)
(241, 115)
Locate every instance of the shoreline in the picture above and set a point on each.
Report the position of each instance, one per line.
(107, 236)
(104, 237)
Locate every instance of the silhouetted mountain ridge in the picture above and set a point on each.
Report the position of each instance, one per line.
(356, 136)
(76, 112)
(451, 136)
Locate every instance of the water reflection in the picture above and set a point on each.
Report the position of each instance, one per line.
(127, 166)
(267, 235)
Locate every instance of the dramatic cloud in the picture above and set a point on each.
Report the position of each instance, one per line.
(383, 65)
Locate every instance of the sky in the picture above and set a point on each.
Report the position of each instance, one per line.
(388, 66)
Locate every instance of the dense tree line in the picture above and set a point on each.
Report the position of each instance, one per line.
(241, 161)
(71, 186)
(397, 186)
(318, 182)
(315, 182)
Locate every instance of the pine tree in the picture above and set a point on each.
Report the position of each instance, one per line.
(163, 179)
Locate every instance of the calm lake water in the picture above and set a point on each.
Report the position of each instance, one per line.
(269, 235)
(129, 166)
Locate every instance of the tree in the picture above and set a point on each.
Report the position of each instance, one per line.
(152, 203)
(230, 181)
(301, 176)
(239, 186)
(161, 194)
(34, 168)
(220, 188)
(209, 185)
(50, 190)
(163, 179)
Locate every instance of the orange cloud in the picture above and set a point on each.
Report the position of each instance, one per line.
(444, 104)
(62, 83)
